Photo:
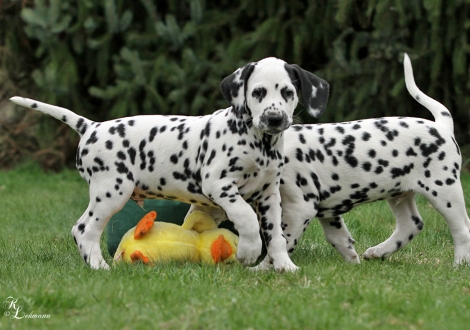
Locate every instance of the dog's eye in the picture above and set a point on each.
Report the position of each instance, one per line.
(259, 93)
(287, 93)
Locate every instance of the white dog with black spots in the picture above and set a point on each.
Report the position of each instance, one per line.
(332, 168)
(228, 164)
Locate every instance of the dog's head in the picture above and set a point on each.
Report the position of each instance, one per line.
(267, 90)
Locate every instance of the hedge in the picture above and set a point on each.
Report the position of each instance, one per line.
(114, 58)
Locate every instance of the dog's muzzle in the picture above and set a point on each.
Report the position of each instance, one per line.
(274, 122)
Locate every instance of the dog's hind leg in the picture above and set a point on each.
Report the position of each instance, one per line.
(449, 201)
(408, 225)
(295, 219)
(338, 235)
(88, 229)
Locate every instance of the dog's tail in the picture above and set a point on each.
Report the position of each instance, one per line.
(78, 123)
(440, 112)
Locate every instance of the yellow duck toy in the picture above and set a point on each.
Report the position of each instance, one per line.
(198, 239)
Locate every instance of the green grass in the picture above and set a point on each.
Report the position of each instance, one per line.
(417, 288)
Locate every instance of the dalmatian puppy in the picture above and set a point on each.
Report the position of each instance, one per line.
(227, 164)
(332, 168)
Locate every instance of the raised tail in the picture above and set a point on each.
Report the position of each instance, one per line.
(78, 123)
(440, 112)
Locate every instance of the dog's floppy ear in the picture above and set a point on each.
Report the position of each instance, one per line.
(314, 90)
(234, 86)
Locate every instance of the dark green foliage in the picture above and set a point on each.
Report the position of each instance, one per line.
(113, 58)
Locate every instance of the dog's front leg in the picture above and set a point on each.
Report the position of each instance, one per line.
(244, 218)
(270, 212)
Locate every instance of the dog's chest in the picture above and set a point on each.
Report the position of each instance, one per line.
(261, 173)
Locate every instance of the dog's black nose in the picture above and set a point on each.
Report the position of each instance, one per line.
(274, 120)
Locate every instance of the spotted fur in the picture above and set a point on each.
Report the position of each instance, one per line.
(227, 164)
(332, 168)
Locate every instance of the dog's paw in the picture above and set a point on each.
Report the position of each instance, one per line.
(353, 258)
(248, 251)
(461, 258)
(374, 253)
(284, 266)
(264, 265)
(99, 264)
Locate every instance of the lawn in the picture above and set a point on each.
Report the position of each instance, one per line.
(416, 288)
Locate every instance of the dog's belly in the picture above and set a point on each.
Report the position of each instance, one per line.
(343, 203)
(174, 194)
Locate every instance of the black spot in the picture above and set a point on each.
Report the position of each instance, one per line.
(130, 176)
(174, 159)
(351, 160)
(223, 174)
(340, 129)
(121, 155)
(397, 172)
(445, 114)
(411, 152)
(121, 167)
(79, 123)
(383, 162)
(336, 224)
(427, 162)
(93, 138)
(153, 133)
(366, 136)
(132, 153)
(366, 166)
(300, 180)
(299, 155)
(418, 222)
(81, 227)
(179, 176)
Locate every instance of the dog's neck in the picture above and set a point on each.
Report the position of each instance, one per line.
(272, 145)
